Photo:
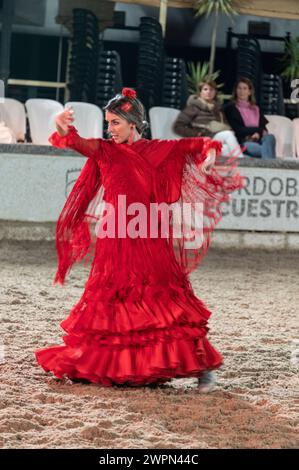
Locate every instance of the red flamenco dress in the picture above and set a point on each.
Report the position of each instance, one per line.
(138, 321)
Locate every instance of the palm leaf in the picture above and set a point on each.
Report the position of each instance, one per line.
(218, 7)
(290, 59)
(199, 72)
(206, 7)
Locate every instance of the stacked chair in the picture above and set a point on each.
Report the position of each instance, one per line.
(271, 99)
(150, 62)
(109, 78)
(41, 116)
(283, 129)
(249, 62)
(175, 86)
(12, 112)
(161, 121)
(84, 56)
(88, 119)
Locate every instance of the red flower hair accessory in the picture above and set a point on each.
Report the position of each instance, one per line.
(126, 107)
(129, 93)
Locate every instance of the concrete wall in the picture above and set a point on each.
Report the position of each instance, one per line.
(33, 188)
(35, 181)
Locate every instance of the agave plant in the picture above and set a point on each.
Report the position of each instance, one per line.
(291, 59)
(206, 7)
(199, 72)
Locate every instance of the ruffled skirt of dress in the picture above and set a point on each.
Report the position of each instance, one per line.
(138, 321)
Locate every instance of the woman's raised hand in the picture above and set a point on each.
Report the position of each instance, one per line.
(63, 120)
(209, 162)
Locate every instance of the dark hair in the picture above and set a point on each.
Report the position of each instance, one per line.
(129, 108)
(250, 85)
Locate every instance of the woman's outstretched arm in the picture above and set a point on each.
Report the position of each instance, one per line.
(198, 149)
(66, 136)
(203, 150)
(198, 146)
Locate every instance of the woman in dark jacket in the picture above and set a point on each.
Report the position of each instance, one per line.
(248, 122)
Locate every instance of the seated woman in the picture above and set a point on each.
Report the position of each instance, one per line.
(248, 122)
(202, 117)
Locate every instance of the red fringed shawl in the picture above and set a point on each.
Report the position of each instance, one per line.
(168, 170)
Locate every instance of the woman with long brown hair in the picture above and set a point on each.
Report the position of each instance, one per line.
(248, 121)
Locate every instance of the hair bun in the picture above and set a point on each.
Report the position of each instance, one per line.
(129, 93)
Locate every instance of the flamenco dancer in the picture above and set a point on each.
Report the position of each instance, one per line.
(138, 321)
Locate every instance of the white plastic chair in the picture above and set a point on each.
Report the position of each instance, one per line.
(12, 112)
(41, 115)
(88, 119)
(161, 121)
(282, 129)
(296, 137)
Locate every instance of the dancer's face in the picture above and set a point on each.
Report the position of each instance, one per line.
(207, 93)
(121, 130)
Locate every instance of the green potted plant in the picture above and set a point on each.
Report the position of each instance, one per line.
(197, 73)
(290, 60)
(206, 7)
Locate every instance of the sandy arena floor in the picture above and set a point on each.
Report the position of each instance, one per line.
(254, 297)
